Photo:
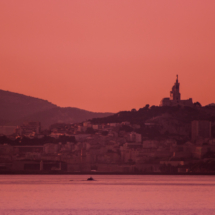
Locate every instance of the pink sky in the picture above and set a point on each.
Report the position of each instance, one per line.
(108, 55)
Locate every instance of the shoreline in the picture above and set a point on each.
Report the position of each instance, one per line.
(94, 173)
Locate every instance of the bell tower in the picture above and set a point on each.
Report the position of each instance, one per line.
(175, 94)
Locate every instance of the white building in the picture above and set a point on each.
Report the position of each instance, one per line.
(135, 137)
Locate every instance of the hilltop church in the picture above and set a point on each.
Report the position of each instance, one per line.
(175, 97)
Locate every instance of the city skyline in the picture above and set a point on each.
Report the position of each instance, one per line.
(107, 56)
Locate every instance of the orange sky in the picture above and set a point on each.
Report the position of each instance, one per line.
(108, 55)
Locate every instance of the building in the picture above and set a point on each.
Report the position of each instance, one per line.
(87, 124)
(200, 129)
(175, 97)
(97, 127)
(7, 130)
(50, 148)
(28, 151)
(30, 128)
(135, 137)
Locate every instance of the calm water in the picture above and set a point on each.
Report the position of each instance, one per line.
(113, 194)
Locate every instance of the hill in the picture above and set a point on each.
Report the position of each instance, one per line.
(158, 121)
(17, 108)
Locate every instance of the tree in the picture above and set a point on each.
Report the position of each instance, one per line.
(197, 104)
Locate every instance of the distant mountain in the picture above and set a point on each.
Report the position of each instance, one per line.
(60, 115)
(17, 108)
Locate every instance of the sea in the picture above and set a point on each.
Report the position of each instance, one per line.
(107, 195)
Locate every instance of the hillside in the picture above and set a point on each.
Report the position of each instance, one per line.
(17, 108)
(157, 121)
(185, 114)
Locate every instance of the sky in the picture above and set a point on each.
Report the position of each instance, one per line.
(108, 55)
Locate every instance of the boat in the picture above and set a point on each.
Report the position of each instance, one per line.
(90, 179)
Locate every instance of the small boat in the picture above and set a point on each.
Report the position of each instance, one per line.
(90, 179)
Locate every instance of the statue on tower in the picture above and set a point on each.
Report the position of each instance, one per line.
(175, 97)
(175, 94)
